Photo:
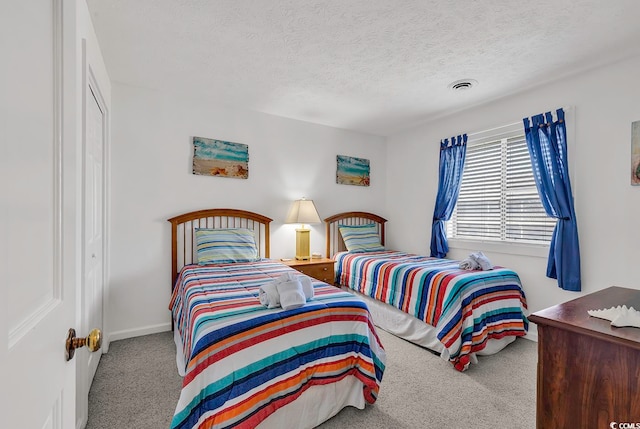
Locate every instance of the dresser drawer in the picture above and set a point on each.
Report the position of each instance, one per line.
(321, 271)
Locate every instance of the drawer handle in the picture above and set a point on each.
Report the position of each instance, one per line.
(325, 268)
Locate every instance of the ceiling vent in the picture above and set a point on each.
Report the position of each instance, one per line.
(463, 84)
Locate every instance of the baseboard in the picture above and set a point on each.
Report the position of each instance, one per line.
(138, 332)
(532, 335)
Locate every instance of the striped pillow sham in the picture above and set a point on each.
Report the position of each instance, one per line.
(361, 238)
(224, 245)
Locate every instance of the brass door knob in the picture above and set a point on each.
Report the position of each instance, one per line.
(93, 342)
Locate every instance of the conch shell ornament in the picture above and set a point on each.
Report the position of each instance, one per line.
(619, 316)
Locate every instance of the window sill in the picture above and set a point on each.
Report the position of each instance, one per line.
(535, 250)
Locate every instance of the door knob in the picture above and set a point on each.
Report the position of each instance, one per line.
(93, 342)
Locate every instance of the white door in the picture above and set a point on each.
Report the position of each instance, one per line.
(93, 222)
(92, 289)
(39, 217)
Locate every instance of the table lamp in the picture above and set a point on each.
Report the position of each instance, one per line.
(303, 211)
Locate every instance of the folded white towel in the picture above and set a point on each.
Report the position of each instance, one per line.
(290, 284)
(305, 281)
(291, 294)
(307, 286)
(268, 295)
(482, 261)
(286, 277)
(469, 264)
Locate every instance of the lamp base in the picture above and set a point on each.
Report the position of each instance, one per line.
(302, 245)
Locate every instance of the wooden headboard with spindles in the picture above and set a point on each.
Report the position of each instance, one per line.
(183, 247)
(335, 243)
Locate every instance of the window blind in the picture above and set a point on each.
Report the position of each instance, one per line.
(498, 198)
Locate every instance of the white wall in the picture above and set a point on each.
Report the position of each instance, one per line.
(605, 102)
(151, 156)
(152, 181)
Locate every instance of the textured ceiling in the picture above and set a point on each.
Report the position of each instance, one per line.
(368, 65)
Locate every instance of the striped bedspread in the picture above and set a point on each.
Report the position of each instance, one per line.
(467, 308)
(244, 361)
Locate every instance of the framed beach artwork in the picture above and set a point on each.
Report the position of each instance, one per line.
(220, 158)
(352, 171)
(635, 153)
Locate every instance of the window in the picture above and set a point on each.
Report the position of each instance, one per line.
(498, 198)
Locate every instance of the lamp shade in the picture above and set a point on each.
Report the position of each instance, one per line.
(303, 211)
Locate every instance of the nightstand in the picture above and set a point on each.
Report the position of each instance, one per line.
(320, 268)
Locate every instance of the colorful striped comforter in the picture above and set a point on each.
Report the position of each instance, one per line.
(244, 361)
(467, 308)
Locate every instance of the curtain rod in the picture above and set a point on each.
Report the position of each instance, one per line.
(513, 124)
(494, 129)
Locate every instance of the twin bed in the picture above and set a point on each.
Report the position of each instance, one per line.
(245, 365)
(248, 366)
(428, 301)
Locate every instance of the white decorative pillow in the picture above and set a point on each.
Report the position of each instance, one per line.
(224, 245)
(361, 238)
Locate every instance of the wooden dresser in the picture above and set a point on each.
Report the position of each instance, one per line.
(588, 370)
(320, 268)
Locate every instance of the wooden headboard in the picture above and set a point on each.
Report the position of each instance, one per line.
(183, 233)
(335, 243)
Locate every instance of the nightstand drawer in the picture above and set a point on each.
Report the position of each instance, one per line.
(323, 272)
(320, 269)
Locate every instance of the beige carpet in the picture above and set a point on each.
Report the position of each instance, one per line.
(137, 386)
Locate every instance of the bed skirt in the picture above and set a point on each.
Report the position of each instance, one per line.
(407, 327)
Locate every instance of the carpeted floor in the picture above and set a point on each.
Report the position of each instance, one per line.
(137, 386)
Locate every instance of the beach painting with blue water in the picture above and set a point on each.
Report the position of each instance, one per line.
(352, 171)
(220, 158)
